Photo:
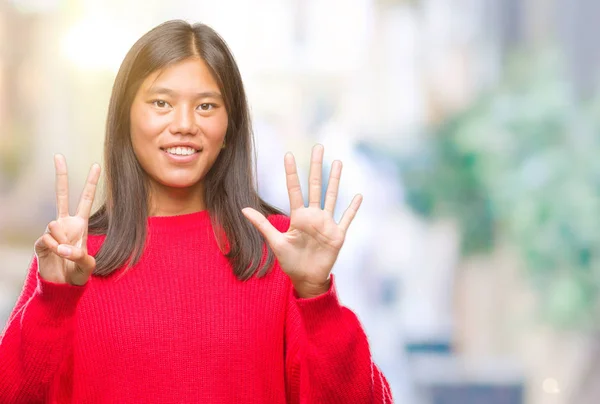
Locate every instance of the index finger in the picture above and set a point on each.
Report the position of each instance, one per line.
(62, 186)
(89, 192)
(293, 183)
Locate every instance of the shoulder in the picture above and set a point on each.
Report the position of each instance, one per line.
(94, 243)
(280, 222)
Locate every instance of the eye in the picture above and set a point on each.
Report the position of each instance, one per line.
(206, 106)
(160, 104)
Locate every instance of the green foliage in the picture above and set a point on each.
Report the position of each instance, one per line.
(523, 164)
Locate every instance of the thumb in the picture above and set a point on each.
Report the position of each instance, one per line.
(81, 258)
(262, 224)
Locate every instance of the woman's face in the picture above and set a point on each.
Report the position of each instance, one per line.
(178, 125)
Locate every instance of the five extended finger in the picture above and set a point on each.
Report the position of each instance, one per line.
(293, 182)
(314, 177)
(271, 234)
(333, 186)
(350, 212)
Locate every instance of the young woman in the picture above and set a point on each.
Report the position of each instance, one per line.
(169, 292)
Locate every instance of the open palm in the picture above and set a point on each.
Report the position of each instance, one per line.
(310, 247)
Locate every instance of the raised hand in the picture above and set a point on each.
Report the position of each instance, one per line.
(310, 247)
(62, 250)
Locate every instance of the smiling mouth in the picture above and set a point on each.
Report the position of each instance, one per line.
(180, 151)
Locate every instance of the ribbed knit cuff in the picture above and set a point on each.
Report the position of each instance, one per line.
(319, 312)
(58, 300)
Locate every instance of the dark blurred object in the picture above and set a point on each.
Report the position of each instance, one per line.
(477, 394)
(429, 347)
(443, 379)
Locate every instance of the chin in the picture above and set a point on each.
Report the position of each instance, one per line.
(179, 183)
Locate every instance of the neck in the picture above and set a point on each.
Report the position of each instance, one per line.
(169, 201)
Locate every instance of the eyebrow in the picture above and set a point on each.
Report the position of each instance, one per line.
(172, 93)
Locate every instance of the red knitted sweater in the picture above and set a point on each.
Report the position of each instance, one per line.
(179, 327)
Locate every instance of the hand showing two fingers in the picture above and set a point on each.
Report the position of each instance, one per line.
(62, 250)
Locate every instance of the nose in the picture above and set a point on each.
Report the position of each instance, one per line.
(184, 122)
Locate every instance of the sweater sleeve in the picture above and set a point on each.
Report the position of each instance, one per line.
(37, 339)
(327, 354)
(328, 359)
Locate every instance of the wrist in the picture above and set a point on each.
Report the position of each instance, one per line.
(309, 290)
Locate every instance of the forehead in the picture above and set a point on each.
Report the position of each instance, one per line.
(189, 75)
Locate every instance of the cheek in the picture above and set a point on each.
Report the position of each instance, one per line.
(215, 129)
(146, 125)
(145, 129)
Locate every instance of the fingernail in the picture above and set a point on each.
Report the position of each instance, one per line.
(64, 250)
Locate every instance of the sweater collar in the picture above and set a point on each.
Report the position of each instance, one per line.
(179, 222)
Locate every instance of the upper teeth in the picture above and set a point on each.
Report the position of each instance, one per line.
(182, 151)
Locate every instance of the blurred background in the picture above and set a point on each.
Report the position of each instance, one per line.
(470, 127)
